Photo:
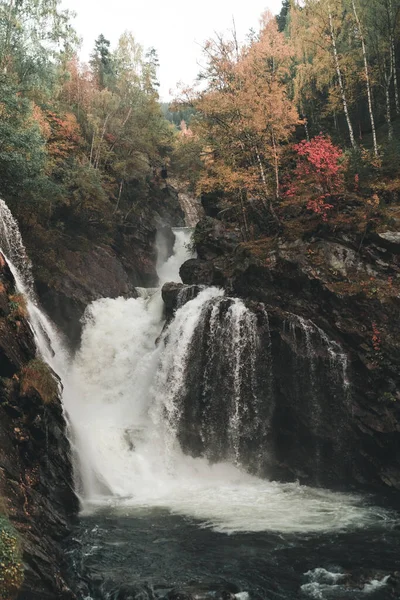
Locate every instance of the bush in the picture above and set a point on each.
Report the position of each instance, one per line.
(11, 568)
(38, 376)
(18, 308)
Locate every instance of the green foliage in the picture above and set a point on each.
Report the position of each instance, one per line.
(283, 16)
(11, 568)
(22, 151)
(102, 62)
(74, 139)
(37, 376)
(18, 308)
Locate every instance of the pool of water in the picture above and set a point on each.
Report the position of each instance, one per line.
(149, 553)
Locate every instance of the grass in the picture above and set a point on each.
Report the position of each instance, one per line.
(38, 376)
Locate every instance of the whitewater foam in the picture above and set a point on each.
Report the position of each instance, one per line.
(125, 422)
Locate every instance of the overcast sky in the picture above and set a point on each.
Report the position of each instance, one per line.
(176, 28)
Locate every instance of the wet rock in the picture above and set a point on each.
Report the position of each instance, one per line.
(176, 295)
(81, 270)
(88, 276)
(351, 291)
(201, 272)
(35, 466)
(393, 237)
(214, 238)
(212, 204)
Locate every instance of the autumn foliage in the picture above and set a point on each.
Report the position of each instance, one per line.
(319, 174)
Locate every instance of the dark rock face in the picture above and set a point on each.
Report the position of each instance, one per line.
(320, 431)
(35, 468)
(87, 276)
(83, 271)
(177, 294)
(214, 239)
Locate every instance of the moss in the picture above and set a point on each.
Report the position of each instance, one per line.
(18, 308)
(11, 567)
(38, 376)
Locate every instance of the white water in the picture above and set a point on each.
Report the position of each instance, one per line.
(323, 585)
(169, 270)
(121, 396)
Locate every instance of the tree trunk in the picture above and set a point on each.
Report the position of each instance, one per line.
(388, 80)
(306, 128)
(276, 167)
(267, 200)
(366, 69)
(396, 89)
(119, 195)
(98, 153)
(340, 79)
(393, 57)
(7, 40)
(246, 226)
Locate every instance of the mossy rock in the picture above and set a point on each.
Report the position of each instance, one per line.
(37, 377)
(11, 567)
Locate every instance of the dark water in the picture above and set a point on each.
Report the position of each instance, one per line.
(147, 554)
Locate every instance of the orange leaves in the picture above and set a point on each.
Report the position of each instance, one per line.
(61, 132)
(40, 118)
(65, 136)
(245, 116)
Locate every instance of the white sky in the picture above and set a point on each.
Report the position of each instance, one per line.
(176, 28)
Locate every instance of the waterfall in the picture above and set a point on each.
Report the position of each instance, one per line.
(175, 424)
(48, 340)
(168, 270)
(321, 389)
(190, 204)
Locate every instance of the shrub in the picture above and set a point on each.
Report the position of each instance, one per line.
(319, 174)
(18, 308)
(11, 568)
(38, 376)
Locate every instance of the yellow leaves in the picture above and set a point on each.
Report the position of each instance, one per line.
(374, 201)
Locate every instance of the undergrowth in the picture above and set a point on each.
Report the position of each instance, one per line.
(36, 375)
(11, 567)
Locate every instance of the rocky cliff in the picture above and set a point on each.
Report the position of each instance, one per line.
(328, 305)
(36, 488)
(70, 272)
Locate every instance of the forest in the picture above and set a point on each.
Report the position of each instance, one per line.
(298, 128)
(80, 143)
(294, 129)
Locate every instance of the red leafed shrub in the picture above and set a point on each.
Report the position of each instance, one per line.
(319, 174)
(376, 337)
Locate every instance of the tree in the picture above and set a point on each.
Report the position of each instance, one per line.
(34, 35)
(319, 174)
(101, 62)
(22, 150)
(283, 16)
(246, 117)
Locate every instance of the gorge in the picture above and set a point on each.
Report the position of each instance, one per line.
(181, 430)
(199, 302)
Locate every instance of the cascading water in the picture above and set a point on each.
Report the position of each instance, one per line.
(171, 426)
(48, 340)
(155, 428)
